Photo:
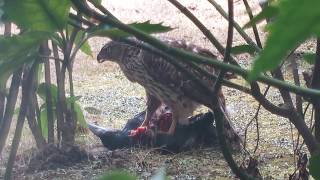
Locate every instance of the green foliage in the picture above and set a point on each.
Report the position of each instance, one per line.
(295, 23)
(309, 58)
(117, 175)
(123, 175)
(41, 91)
(81, 39)
(17, 50)
(38, 15)
(53, 90)
(147, 27)
(44, 122)
(243, 49)
(19, 45)
(314, 166)
(77, 110)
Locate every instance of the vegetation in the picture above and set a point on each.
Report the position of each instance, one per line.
(57, 30)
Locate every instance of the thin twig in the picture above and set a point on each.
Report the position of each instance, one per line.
(202, 28)
(242, 33)
(310, 141)
(254, 26)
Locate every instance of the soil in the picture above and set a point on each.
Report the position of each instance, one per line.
(109, 99)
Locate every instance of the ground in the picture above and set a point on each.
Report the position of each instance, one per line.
(108, 99)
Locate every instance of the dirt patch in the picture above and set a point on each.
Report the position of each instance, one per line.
(51, 157)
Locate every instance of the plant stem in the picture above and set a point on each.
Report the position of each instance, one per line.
(183, 55)
(254, 26)
(44, 49)
(11, 103)
(236, 25)
(220, 118)
(315, 83)
(26, 94)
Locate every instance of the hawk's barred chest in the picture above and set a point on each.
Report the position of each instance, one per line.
(154, 73)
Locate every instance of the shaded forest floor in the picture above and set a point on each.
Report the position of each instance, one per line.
(109, 99)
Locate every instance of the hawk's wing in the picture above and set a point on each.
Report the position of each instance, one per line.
(167, 74)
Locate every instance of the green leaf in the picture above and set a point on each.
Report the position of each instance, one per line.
(39, 15)
(295, 23)
(314, 166)
(86, 48)
(80, 38)
(44, 122)
(9, 66)
(243, 49)
(53, 89)
(147, 27)
(266, 13)
(79, 115)
(20, 45)
(77, 110)
(117, 175)
(56, 38)
(309, 57)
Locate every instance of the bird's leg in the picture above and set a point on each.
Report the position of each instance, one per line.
(152, 105)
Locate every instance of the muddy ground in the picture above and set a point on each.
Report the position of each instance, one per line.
(108, 99)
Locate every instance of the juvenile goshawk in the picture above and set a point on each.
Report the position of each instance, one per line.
(163, 82)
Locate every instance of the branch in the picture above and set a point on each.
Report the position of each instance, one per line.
(236, 25)
(11, 103)
(80, 19)
(315, 83)
(254, 27)
(26, 94)
(218, 112)
(187, 56)
(201, 27)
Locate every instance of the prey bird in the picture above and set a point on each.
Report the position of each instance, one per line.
(163, 82)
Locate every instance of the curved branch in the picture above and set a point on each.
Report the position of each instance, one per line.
(236, 25)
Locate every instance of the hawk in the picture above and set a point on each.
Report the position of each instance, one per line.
(163, 82)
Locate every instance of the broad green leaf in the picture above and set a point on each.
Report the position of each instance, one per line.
(20, 45)
(77, 109)
(309, 58)
(147, 27)
(44, 122)
(295, 23)
(73, 99)
(56, 38)
(39, 15)
(266, 13)
(314, 166)
(243, 49)
(80, 37)
(17, 50)
(117, 175)
(86, 48)
(10, 66)
(53, 89)
(79, 115)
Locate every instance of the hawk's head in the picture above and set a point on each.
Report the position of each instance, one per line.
(112, 51)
